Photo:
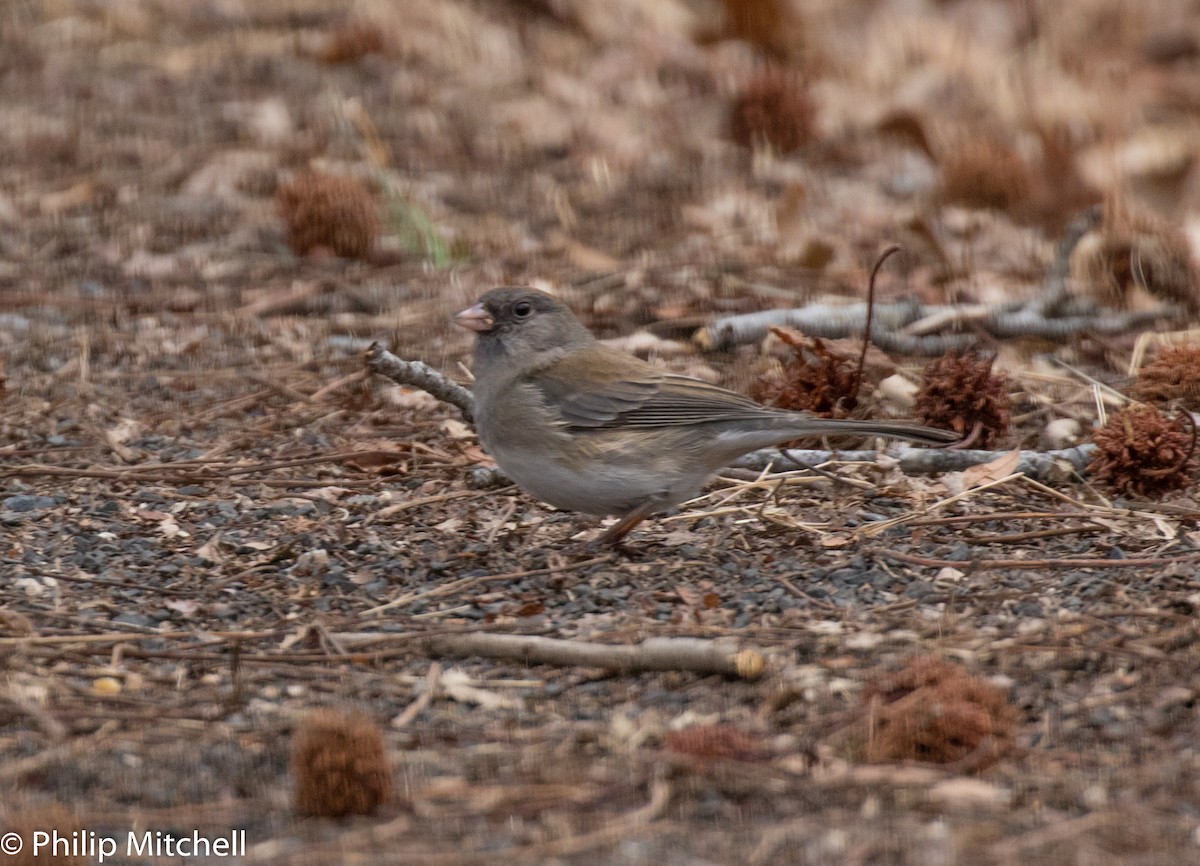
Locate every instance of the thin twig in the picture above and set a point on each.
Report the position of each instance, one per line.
(432, 679)
(653, 654)
(1053, 532)
(1077, 562)
(337, 385)
(69, 749)
(866, 339)
(420, 375)
(433, 500)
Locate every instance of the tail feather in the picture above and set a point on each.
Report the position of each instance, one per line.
(908, 431)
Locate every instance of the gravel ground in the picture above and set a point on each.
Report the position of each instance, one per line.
(205, 503)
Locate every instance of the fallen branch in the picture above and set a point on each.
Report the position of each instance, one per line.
(653, 654)
(55, 730)
(828, 321)
(910, 328)
(420, 375)
(66, 752)
(1056, 292)
(838, 321)
(1033, 464)
(423, 700)
(1039, 465)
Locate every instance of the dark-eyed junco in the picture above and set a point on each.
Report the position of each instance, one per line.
(589, 428)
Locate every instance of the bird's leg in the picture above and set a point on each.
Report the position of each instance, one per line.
(620, 529)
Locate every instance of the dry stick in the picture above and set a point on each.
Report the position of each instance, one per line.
(878, 526)
(653, 654)
(337, 385)
(279, 388)
(68, 749)
(308, 461)
(816, 320)
(234, 404)
(541, 852)
(275, 301)
(420, 375)
(432, 680)
(192, 469)
(926, 461)
(278, 659)
(1099, 389)
(66, 472)
(124, 637)
(431, 500)
(308, 482)
(51, 726)
(1043, 837)
(1033, 464)
(1009, 537)
(702, 655)
(1054, 313)
(798, 592)
(837, 321)
(117, 584)
(1056, 292)
(997, 515)
(980, 564)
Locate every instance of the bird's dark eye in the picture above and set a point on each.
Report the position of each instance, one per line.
(522, 309)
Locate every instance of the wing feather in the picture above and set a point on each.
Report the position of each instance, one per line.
(614, 398)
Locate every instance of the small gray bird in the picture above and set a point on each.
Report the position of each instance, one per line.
(589, 428)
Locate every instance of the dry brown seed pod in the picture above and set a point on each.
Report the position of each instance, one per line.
(351, 42)
(814, 380)
(339, 765)
(1144, 452)
(1171, 379)
(985, 173)
(935, 711)
(960, 392)
(774, 109)
(329, 211)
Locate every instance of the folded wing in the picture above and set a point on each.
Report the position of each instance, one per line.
(628, 393)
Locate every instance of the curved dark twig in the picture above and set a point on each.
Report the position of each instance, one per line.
(1191, 419)
(862, 356)
(966, 443)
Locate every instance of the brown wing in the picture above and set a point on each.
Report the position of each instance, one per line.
(622, 391)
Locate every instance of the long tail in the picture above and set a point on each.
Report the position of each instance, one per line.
(894, 429)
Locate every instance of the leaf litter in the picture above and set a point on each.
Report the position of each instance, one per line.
(212, 523)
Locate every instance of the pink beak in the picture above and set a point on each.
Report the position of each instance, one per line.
(475, 318)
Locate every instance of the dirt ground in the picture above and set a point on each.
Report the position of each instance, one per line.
(204, 502)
